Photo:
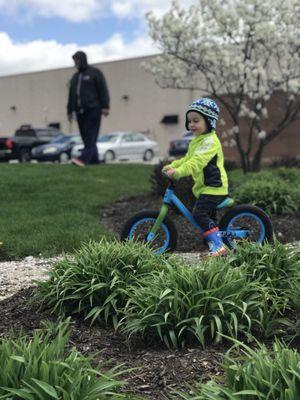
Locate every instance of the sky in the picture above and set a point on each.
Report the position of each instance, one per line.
(39, 35)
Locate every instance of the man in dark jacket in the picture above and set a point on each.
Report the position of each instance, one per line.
(88, 99)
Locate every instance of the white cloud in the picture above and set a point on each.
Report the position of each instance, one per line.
(42, 55)
(19, 57)
(85, 10)
(71, 10)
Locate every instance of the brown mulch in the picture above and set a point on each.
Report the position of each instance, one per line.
(157, 370)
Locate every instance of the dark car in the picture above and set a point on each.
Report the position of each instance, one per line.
(7, 149)
(59, 149)
(27, 137)
(179, 147)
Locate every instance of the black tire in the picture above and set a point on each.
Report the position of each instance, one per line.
(258, 214)
(63, 157)
(109, 156)
(167, 227)
(24, 154)
(148, 155)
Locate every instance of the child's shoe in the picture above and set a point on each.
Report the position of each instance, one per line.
(215, 242)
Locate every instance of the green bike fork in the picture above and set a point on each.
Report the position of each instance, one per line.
(159, 220)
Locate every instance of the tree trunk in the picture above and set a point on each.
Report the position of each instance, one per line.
(256, 162)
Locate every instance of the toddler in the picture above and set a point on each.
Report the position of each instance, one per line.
(204, 161)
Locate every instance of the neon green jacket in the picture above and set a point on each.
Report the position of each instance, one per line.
(204, 161)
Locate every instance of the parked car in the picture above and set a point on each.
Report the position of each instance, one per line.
(179, 147)
(123, 146)
(26, 138)
(59, 149)
(7, 149)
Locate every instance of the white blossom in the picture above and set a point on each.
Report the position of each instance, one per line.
(262, 135)
(246, 50)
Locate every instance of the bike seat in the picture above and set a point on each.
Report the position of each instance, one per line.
(228, 202)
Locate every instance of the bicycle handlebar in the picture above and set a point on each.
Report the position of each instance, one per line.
(171, 182)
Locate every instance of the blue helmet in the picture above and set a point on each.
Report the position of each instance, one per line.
(208, 108)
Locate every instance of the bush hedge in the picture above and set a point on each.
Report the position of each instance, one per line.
(249, 292)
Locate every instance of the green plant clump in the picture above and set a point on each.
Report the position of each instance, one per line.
(42, 368)
(93, 281)
(192, 304)
(272, 192)
(275, 269)
(255, 375)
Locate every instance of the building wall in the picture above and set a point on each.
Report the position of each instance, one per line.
(137, 103)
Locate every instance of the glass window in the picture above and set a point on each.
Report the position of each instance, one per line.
(61, 139)
(107, 138)
(138, 137)
(26, 133)
(127, 138)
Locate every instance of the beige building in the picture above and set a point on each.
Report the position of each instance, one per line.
(137, 104)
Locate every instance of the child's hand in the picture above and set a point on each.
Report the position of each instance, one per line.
(165, 168)
(170, 172)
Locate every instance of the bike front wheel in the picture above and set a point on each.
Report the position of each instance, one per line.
(138, 227)
(246, 223)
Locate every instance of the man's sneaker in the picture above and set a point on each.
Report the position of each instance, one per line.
(78, 162)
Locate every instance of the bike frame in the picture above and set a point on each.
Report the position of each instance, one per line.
(169, 199)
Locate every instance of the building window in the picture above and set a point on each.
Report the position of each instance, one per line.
(55, 125)
(170, 119)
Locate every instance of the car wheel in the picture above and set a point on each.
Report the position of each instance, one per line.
(148, 155)
(64, 158)
(24, 155)
(109, 156)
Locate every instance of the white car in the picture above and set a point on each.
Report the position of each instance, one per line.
(123, 146)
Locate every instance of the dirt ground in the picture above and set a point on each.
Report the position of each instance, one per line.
(158, 370)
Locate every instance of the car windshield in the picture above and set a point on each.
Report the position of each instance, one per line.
(61, 139)
(108, 138)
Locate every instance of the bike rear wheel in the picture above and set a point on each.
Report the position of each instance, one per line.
(246, 223)
(137, 228)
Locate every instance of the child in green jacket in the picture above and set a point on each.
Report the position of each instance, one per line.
(204, 161)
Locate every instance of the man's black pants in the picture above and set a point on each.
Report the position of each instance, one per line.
(205, 211)
(89, 125)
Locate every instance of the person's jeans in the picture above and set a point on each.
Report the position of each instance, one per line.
(89, 125)
(205, 211)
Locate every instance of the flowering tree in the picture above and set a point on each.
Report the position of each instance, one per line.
(241, 52)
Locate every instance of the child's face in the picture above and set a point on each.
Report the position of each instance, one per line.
(196, 123)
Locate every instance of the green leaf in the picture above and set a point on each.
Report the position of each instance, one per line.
(21, 393)
(19, 359)
(50, 390)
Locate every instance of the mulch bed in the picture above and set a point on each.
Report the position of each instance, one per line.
(158, 369)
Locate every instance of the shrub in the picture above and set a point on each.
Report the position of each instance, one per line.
(260, 374)
(286, 161)
(93, 281)
(183, 304)
(276, 270)
(183, 187)
(272, 195)
(276, 265)
(43, 368)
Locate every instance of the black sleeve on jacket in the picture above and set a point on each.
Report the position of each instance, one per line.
(102, 89)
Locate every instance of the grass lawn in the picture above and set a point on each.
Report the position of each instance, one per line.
(51, 208)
